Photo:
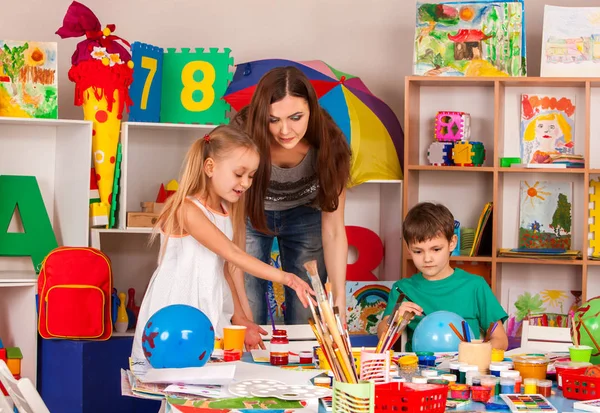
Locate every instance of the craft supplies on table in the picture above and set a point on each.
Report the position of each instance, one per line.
(524, 403)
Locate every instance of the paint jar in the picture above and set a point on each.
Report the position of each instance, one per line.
(419, 380)
(531, 366)
(460, 392)
(306, 357)
(569, 367)
(429, 373)
(477, 381)
(490, 382)
(507, 385)
(469, 375)
(481, 394)
(321, 381)
(515, 375)
(496, 368)
(497, 354)
(407, 366)
(462, 373)
(530, 386)
(279, 348)
(454, 366)
(544, 387)
(476, 353)
(232, 355)
(438, 381)
(450, 378)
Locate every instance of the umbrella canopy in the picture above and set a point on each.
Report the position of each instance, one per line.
(369, 125)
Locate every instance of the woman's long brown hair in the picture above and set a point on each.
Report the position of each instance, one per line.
(333, 159)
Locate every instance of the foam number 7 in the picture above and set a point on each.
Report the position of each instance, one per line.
(193, 84)
(145, 91)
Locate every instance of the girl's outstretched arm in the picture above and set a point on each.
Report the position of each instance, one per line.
(335, 249)
(197, 224)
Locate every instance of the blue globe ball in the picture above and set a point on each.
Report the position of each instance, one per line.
(178, 336)
(433, 333)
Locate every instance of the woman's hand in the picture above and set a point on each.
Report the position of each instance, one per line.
(300, 286)
(252, 339)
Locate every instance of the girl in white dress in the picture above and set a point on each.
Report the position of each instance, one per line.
(198, 226)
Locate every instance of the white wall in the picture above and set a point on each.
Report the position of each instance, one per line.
(372, 39)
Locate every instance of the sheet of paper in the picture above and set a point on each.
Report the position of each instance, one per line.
(250, 371)
(212, 373)
(214, 392)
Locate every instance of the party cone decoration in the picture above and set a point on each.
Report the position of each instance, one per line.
(102, 71)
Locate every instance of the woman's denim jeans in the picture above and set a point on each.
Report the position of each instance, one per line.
(298, 232)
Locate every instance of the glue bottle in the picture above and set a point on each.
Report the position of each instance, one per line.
(279, 348)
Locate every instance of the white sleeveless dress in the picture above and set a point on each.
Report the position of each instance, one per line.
(189, 274)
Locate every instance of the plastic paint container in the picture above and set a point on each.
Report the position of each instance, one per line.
(427, 361)
(438, 381)
(496, 368)
(470, 375)
(513, 374)
(544, 387)
(462, 373)
(429, 373)
(455, 366)
(497, 354)
(507, 385)
(531, 366)
(481, 394)
(460, 391)
(419, 380)
(530, 386)
(306, 357)
(490, 382)
(450, 378)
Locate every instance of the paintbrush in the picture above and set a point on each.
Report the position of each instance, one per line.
(398, 329)
(327, 313)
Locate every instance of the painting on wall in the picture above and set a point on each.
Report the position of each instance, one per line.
(28, 79)
(571, 42)
(365, 302)
(470, 39)
(547, 308)
(547, 127)
(545, 215)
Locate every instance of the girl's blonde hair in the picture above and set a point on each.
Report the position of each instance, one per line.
(193, 181)
(558, 117)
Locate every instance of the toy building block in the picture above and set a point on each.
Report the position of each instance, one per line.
(3, 354)
(98, 215)
(94, 194)
(1, 344)
(115, 192)
(161, 197)
(478, 157)
(440, 153)
(172, 186)
(452, 126)
(13, 359)
(594, 221)
(462, 153)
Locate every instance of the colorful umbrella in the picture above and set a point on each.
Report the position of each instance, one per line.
(370, 126)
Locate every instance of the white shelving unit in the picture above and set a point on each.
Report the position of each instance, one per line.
(58, 154)
(153, 154)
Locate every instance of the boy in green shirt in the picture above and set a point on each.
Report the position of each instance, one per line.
(428, 231)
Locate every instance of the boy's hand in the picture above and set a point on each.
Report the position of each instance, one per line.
(409, 306)
(300, 286)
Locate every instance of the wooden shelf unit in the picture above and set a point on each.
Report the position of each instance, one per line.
(494, 105)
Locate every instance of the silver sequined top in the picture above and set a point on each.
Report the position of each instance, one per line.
(292, 187)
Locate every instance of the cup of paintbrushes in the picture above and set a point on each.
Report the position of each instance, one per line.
(476, 353)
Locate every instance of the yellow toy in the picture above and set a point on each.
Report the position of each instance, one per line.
(594, 249)
(462, 153)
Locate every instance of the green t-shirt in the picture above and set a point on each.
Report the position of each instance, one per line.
(462, 293)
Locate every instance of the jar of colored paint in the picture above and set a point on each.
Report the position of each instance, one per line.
(462, 373)
(490, 382)
(544, 387)
(419, 380)
(496, 368)
(476, 381)
(305, 357)
(531, 366)
(407, 366)
(569, 367)
(469, 375)
(279, 349)
(515, 375)
(460, 392)
(321, 381)
(507, 385)
(530, 386)
(450, 378)
(497, 354)
(455, 366)
(429, 373)
(438, 381)
(481, 394)
(426, 361)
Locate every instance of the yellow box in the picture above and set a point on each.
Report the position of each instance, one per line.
(14, 365)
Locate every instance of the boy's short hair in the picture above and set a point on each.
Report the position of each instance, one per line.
(427, 220)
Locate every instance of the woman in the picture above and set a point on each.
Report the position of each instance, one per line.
(298, 194)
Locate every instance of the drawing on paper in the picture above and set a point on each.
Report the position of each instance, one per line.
(365, 302)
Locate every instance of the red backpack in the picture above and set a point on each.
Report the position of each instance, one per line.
(74, 293)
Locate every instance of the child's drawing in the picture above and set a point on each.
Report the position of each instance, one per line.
(571, 41)
(365, 303)
(482, 38)
(28, 80)
(545, 215)
(548, 308)
(547, 127)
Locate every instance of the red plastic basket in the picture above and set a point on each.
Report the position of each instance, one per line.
(580, 387)
(410, 398)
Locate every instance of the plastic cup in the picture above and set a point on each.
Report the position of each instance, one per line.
(581, 354)
(233, 337)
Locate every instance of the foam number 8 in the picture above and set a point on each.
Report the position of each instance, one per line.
(145, 90)
(191, 85)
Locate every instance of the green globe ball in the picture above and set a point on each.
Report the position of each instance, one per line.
(587, 327)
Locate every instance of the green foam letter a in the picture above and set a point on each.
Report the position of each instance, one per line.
(38, 238)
